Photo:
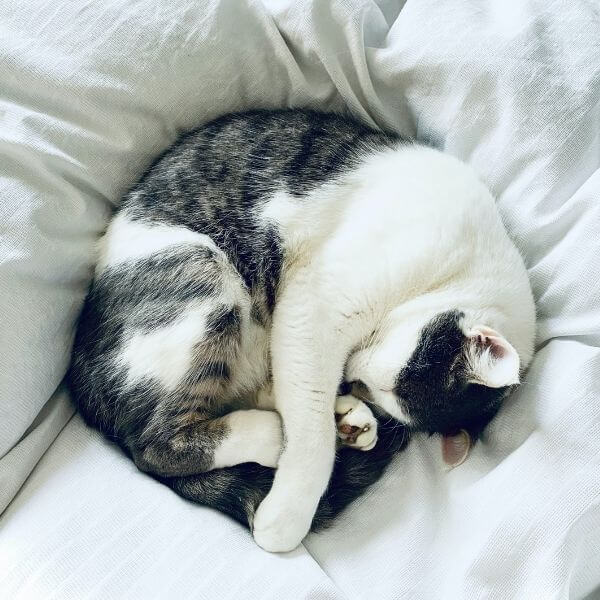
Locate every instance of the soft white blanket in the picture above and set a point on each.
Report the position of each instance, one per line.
(90, 91)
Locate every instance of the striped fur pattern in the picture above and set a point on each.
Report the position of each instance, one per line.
(248, 274)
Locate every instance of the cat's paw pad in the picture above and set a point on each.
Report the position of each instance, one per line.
(356, 425)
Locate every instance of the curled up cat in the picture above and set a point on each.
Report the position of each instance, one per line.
(265, 258)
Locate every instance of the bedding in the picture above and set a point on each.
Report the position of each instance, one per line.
(90, 92)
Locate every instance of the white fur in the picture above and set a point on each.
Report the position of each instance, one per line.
(127, 240)
(411, 233)
(254, 436)
(281, 210)
(166, 353)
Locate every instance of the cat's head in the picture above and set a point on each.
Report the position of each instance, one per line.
(441, 377)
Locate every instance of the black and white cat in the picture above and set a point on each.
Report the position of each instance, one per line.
(263, 259)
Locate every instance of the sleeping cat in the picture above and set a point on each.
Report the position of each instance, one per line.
(262, 260)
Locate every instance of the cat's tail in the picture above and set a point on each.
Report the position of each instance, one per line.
(239, 490)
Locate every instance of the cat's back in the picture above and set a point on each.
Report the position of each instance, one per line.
(239, 158)
(215, 180)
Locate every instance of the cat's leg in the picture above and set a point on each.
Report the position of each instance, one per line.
(195, 443)
(356, 424)
(307, 368)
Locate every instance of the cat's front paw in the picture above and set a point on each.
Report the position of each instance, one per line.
(356, 424)
(278, 525)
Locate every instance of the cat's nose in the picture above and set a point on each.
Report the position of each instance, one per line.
(344, 388)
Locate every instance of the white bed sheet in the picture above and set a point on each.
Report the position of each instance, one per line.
(90, 91)
(88, 524)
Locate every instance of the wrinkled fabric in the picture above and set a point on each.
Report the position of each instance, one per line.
(90, 92)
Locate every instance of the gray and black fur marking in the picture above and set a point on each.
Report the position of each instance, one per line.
(211, 182)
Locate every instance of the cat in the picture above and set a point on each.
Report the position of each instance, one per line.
(263, 259)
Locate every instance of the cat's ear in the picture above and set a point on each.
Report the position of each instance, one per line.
(455, 448)
(492, 359)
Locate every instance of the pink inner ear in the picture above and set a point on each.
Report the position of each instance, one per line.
(489, 338)
(455, 448)
(503, 368)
